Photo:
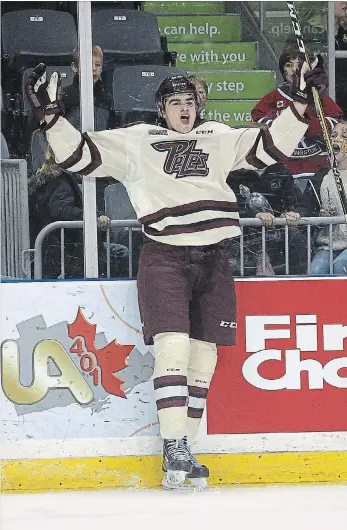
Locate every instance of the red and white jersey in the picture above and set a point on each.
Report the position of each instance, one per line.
(310, 154)
(177, 182)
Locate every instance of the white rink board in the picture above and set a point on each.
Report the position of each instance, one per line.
(112, 425)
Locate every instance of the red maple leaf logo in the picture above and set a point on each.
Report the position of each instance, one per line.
(110, 359)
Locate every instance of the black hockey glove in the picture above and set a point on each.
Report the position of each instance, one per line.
(304, 80)
(44, 97)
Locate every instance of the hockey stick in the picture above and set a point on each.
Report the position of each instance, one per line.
(319, 109)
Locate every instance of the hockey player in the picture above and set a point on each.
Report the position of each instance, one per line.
(310, 154)
(175, 174)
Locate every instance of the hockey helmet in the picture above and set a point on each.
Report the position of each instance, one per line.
(178, 84)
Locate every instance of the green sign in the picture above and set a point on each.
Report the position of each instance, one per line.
(207, 55)
(200, 28)
(184, 7)
(239, 85)
(280, 29)
(231, 112)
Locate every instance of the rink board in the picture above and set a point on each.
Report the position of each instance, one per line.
(77, 400)
(145, 472)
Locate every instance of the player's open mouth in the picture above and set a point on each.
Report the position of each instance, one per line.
(336, 148)
(185, 119)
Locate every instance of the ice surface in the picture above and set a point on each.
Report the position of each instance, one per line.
(319, 507)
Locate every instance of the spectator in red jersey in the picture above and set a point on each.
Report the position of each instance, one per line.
(310, 155)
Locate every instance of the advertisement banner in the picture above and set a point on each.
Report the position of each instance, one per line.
(184, 7)
(239, 85)
(234, 113)
(200, 28)
(288, 372)
(210, 55)
(73, 362)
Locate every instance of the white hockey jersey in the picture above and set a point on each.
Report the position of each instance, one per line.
(177, 182)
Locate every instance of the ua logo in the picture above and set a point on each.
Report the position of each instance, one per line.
(183, 159)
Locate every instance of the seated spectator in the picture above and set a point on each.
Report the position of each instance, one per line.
(271, 195)
(331, 206)
(202, 90)
(55, 195)
(310, 155)
(103, 113)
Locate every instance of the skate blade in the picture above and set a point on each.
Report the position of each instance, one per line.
(178, 480)
(173, 479)
(199, 484)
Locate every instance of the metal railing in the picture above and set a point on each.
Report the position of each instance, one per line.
(62, 225)
(14, 217)
(133, 225)
(281, 222)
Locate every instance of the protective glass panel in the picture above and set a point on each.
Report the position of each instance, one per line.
(231, 49)
(32, 32)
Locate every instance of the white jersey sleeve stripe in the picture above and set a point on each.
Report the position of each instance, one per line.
(79, 154)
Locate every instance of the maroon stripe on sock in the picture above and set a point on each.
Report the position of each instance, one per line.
(170, 380)
(174, 401)
(198, 391)
(195, 413)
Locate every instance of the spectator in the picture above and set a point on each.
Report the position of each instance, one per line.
(310, 155)
(104, 116)
(331, 206)
(341, 34)
(271, 195)
(202, 90)
(341, 25)
(55, 195)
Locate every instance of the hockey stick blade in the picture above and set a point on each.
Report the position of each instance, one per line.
(319, 109)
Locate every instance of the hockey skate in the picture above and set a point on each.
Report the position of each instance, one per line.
(199, 474)
(176, 463)
(182, 469)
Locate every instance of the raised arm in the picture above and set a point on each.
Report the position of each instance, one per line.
(258, 148)
(96, 154)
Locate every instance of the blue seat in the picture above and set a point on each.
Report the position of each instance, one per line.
(30, 36)
(127, 36)
(134, 90)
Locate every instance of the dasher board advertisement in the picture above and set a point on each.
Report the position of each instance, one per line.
(73, 362)
(74, 365)
(288, 372)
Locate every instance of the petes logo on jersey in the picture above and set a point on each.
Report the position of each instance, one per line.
(280, 104)
(183, 158)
